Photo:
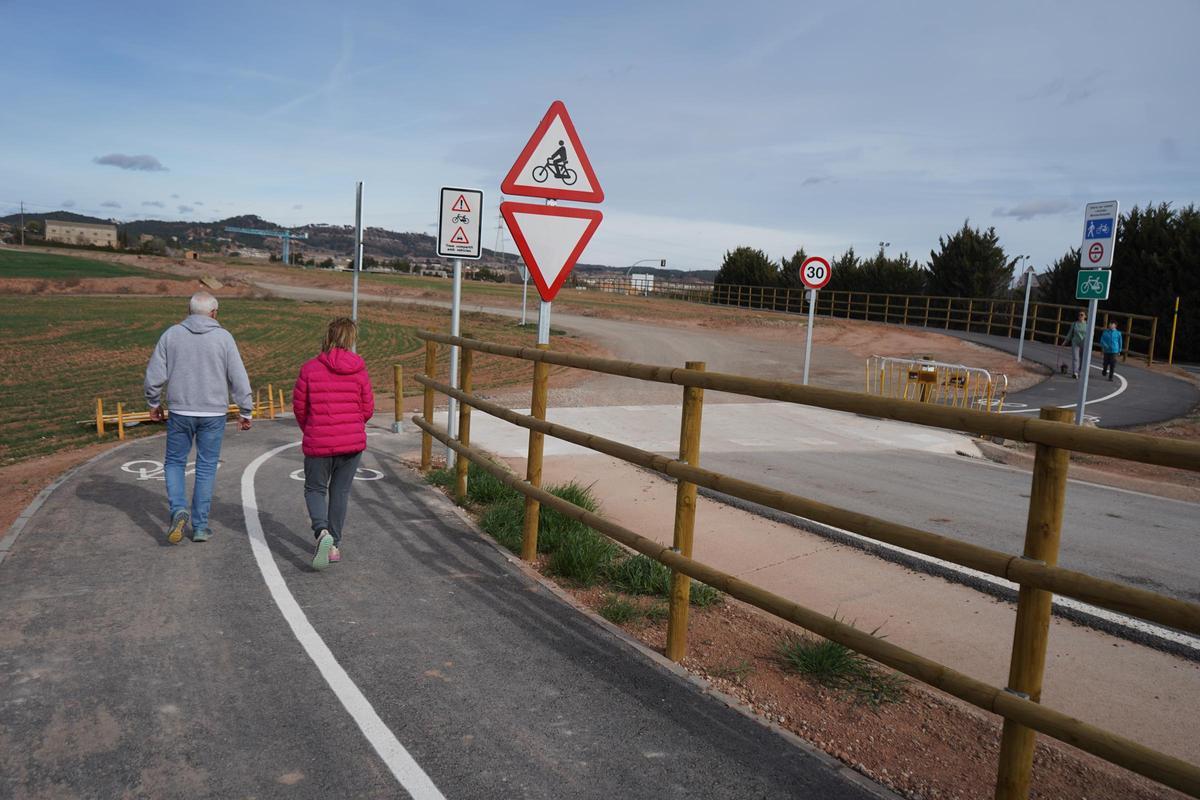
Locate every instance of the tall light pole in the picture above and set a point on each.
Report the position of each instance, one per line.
(662, 262)
(1025, 313)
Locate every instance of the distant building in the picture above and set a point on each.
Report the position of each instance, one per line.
(81, 233)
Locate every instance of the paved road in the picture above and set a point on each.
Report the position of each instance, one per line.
(133, 668)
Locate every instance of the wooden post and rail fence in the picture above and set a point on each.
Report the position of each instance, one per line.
(994, 316)
(1035, 570)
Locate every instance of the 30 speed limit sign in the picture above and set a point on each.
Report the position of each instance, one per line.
(815, 272)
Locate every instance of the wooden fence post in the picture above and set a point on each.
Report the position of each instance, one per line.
(887, 307)
(1043, 531)
(1129, 337)
(1153, 339)
(533, 470)
(427, 411)
(991, 311)
(970, 314)
(99, 416)
(949, 303)
(270, 401)
(906, 299)
(685, 517)
(1012, 312)
(120, 421)
(464, 427)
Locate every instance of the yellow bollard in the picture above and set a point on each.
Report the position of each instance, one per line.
(282, 404)
(258, 403)
(99, 416)
(685, 517)
(533, 471)
(1174, 323)
(120, 421)
(464, 428)
(1043, 531)
(270, 401)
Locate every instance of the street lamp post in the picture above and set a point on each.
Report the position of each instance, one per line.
(1025, 312)
(662, 262)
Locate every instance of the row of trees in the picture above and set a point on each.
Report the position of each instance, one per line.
(968, 263)
(1157, 259)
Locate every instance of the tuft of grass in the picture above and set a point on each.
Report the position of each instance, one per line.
(442, 478)
(484, 488)
(619, 610)
(643, 575)
(657, 612)
(838, 667)
(503, 522)
(582, 555)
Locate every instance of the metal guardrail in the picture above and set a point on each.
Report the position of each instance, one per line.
(927, 381)
(1035, 569)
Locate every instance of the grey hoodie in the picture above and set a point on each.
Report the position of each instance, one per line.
(199, 362)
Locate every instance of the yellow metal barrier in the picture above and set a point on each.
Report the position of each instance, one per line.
(123, 419)
(927, 381)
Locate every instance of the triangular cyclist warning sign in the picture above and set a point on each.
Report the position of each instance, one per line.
(461, 204)
(550, 239)
(460, 236)
(553, 163)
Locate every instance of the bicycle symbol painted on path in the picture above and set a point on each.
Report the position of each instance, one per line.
(362, 474)
(556, 165)
(150, 470)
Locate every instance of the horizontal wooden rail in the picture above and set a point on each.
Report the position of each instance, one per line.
(1117, 444)
(1140, 603)
(1109, 746)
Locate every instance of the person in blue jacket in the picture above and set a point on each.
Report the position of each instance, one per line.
(1111, 346)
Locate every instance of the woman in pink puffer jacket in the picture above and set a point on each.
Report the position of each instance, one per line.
(332, 401)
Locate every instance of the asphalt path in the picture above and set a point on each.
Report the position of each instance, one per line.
(1138, 396)
(1122, 535)
(425, 660)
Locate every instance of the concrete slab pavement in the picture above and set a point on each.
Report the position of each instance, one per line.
(128, 666)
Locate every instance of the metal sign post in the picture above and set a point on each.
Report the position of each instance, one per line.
(357, 253)
(1096, 253)
(812, 309)
(524, 292)
(814, 274)
(460, 223)
(1024, 314)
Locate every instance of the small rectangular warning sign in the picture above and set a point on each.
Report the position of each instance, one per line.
(460, 221)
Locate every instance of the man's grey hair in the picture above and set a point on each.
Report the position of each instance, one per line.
(202, 303)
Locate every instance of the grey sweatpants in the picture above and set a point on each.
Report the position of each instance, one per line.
(327, 482)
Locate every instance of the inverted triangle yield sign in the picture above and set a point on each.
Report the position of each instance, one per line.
(550, 239)
(553, 163)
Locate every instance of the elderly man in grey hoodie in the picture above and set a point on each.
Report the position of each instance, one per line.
(198, 361)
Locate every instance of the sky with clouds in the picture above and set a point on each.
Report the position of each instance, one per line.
(710, 124)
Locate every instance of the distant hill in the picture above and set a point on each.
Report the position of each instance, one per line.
(323, 241)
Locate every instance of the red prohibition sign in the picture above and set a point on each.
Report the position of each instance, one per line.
(815, 272)
(1095, 252)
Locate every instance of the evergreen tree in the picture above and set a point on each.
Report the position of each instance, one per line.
(899, 275)
(747, 266)
(845, 273)
(789, 270)
(971, 263)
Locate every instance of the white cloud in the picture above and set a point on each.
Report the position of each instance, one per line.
(142, 163)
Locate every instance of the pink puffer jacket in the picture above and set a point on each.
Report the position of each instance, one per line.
(332, 401)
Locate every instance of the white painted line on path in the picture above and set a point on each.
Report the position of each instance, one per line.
(1121, 390)
(407, 771)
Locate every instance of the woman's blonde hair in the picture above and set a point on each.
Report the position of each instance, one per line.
(342, 332)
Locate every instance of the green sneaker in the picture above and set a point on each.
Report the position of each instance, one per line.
(178, 523)
(324, 545)
(201, 535)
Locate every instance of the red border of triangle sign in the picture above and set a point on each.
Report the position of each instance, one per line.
(544, 250)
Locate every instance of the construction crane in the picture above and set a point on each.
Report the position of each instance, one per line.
(285, 235)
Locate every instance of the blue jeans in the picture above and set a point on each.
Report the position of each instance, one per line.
(207, 432)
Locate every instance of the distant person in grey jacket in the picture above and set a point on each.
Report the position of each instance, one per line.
(198, 361)
(1081, 350)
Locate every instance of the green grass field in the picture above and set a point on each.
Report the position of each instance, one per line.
(55, 267)
(59, 352)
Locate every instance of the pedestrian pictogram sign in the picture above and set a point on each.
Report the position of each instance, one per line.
(460, 218)
(1099, 235)
(553, 163)
(550, 239)
(815, 272)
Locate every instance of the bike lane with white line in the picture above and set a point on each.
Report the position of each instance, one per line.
(129, 665)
